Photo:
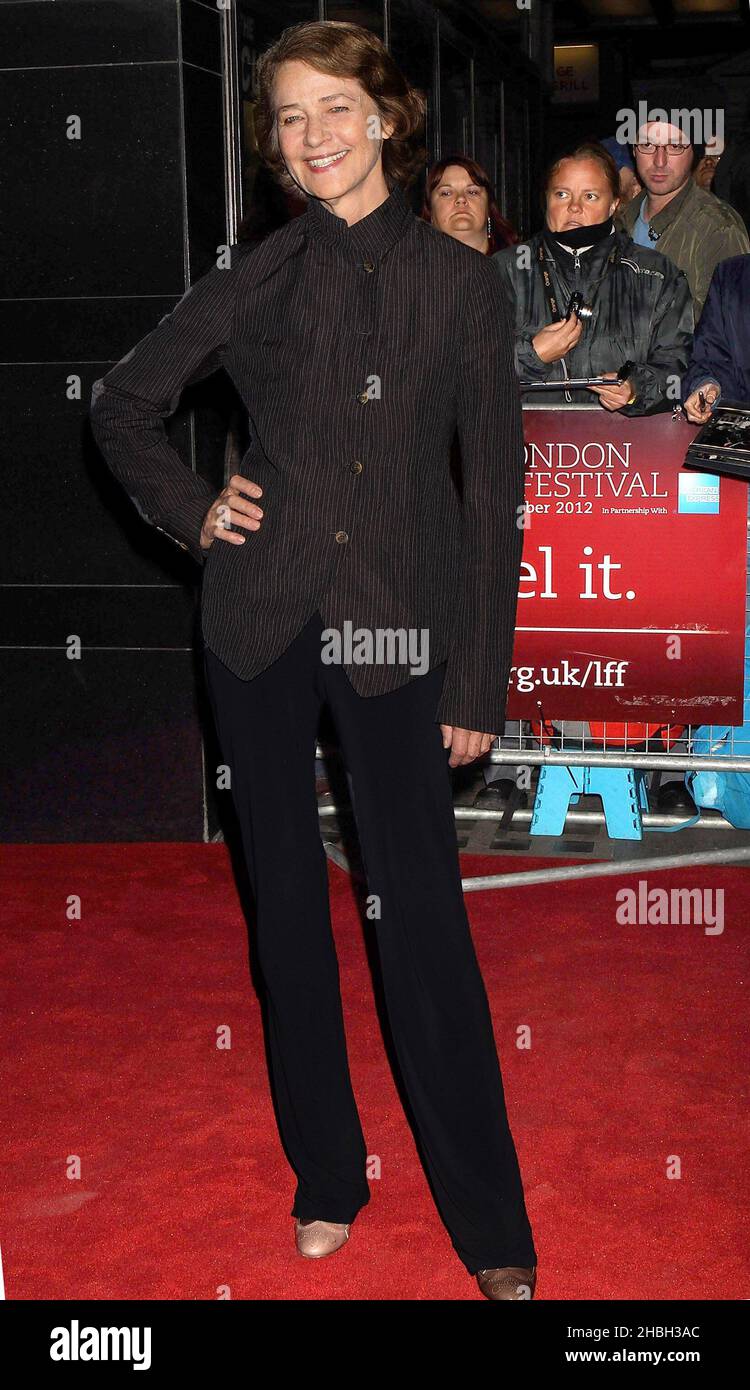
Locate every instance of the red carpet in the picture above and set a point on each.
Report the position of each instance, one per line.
(639, 1047)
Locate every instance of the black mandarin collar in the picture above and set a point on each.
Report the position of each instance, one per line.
(592, 262)
(368, 239)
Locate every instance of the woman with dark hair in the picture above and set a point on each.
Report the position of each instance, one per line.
(459, 200)
(359, 338)
(635, 304)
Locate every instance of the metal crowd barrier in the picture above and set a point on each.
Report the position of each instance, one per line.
(575, 746)
(527, 751)
(588, 820)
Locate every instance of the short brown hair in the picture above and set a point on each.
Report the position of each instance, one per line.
(590, 149)
(345, 50)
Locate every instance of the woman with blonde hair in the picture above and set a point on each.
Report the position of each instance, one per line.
(633, 305)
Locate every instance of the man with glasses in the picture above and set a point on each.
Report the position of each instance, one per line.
(674, 215)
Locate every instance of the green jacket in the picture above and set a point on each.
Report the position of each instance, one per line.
(696, 231)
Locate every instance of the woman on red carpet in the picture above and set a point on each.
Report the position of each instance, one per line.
(359, 337)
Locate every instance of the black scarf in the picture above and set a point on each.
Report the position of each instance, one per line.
(576, 237)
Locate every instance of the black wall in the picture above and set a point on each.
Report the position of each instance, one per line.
(117, 175)
(101, 235)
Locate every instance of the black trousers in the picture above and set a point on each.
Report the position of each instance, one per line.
(435, 996)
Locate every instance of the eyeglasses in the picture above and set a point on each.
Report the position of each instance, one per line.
(671, 150)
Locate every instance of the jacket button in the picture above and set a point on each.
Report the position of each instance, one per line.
(355, 466)
(363, 398)
(368, 265)
(341, 537)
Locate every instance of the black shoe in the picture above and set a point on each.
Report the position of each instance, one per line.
(674, 796)
(496, 795)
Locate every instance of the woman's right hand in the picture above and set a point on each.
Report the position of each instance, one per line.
(232, 507)
(554, 341)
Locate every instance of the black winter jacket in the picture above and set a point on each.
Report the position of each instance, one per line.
(642, 313)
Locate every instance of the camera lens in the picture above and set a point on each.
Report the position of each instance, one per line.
(585, 312)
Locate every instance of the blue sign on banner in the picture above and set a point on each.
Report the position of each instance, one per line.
(698, 492)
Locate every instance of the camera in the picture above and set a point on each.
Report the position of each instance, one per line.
(577, 307)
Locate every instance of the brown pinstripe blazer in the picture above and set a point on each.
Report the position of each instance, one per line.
(350, 345)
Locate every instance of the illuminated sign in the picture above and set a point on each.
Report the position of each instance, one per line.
(576, 73)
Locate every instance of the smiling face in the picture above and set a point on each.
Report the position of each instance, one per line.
(330, 133)
(458, 205)
(578, 195)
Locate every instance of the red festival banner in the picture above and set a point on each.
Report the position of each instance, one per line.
(632, 595)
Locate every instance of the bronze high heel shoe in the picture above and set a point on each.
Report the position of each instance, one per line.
(510, 1284)
(318, 1238)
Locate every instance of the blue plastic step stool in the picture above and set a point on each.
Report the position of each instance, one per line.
(622, 790)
